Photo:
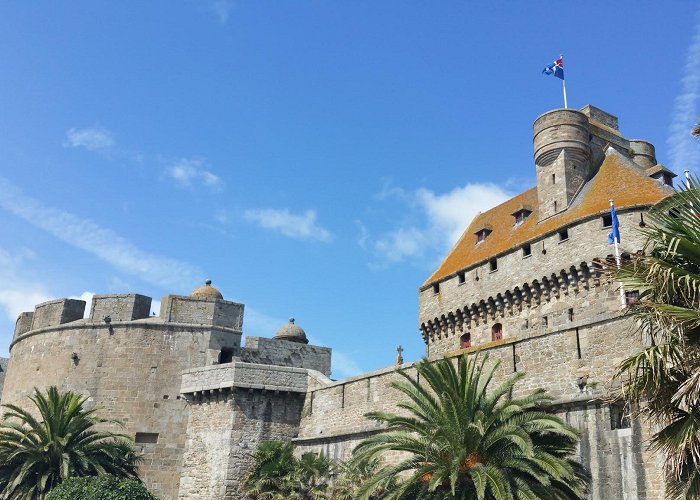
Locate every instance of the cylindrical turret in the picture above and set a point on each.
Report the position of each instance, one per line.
(644, 153)
(561, 129)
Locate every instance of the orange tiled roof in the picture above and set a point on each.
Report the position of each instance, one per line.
(617, 178)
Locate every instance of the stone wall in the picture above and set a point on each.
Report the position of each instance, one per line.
(286, 353)
(574, 364)
(224, 430)
(129, 369)
(548, 269)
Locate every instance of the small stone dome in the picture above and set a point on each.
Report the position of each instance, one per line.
(206, 292)
(292, 333)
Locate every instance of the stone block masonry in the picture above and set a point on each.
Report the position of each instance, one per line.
(224, 430)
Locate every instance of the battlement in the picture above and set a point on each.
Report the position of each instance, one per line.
(285, 353)
(57, 312)
(120, 307)
(202, 311)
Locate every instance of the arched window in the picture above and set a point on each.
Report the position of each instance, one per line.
(497, 332)
(465, 340)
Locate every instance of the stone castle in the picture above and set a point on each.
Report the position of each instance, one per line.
(524, 283)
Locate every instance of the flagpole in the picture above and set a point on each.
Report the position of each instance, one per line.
(617, 261)
(563, 82)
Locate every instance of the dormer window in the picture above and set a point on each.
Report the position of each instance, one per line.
(661, 174)
(481, 234)
(521, 214)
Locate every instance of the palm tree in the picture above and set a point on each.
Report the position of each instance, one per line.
(36, 454)
(463, 439)
(663, 380)
(273, 464)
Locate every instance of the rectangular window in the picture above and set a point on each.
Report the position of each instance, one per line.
(607, 220)
(571, 314)
(493, 265)
(146, 438)
(632, 296)
(527, 251)
(436, 288)
(618, 417)
(554, 178)
(545, 321)
(461, 278)
(564, 234)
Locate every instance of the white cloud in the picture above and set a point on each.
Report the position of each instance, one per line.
(155, 307)
(259, 324)
(93, 138)
(103, 243)
(221, 9)
(435, 222)
(299, 226)
(18, 294)
(188, 172)
(343, 366)
(684, 149)
(87, 297)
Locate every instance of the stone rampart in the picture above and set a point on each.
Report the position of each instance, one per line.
(286, 353)
(128, 368)
(246, 376)
(574, 364)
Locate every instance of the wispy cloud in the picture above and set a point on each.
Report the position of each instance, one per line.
(684, 150)
(299, 226)
(221, 9)
(432, 222)
(189, 172)
(103, 243)
(17, 293)
(92, 138)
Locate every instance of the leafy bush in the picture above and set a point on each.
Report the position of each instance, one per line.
(105, 487)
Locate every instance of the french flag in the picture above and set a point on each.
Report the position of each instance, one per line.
(556, 68)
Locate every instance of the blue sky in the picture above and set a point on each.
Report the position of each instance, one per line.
(314, 159)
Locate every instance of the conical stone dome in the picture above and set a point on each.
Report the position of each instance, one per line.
(206, 292)
(292, 333)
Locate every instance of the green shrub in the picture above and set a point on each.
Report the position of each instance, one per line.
(105, 487)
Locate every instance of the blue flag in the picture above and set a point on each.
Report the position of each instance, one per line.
(556, 68)
(615, 234)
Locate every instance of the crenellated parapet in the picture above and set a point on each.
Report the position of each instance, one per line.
(556, 285)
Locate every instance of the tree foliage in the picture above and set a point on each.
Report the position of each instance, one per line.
(38, 453)
(663, 380)
(463, 438)
(104, 487)
(277, 474)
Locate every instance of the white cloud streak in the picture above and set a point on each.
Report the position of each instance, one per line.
(93, 138)
(684, 150)
(18, 294)
(298, 226)
(103, 243)
(187, 172)
(437, 223)
(221, 9)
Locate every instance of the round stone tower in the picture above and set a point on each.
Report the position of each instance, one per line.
(644, 153)
(561, 140)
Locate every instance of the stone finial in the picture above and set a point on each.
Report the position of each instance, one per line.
(399, 357)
